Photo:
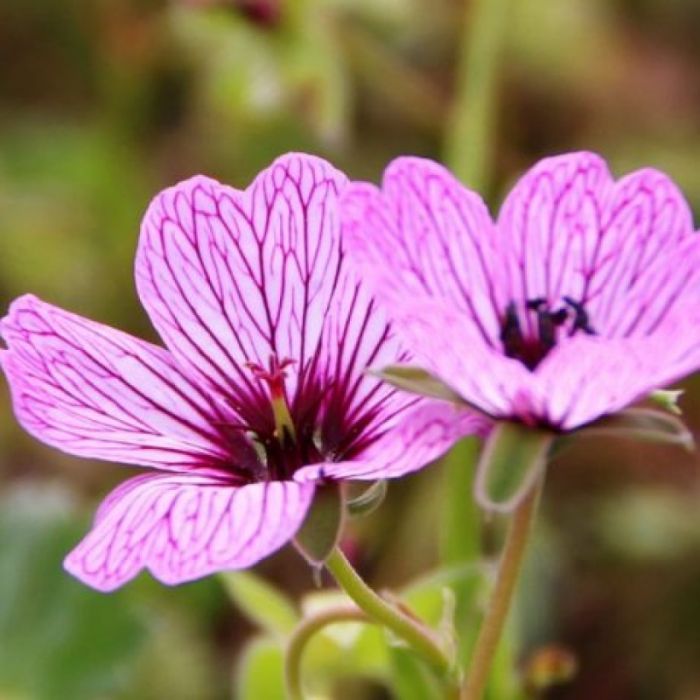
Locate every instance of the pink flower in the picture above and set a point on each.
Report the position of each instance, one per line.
(260, 393)
(580, 298)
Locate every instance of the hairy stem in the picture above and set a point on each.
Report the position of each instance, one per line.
(502, 595)
(300, 637)
(409, 629)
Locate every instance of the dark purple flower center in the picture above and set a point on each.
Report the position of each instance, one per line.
(282, 433)
(545, 325)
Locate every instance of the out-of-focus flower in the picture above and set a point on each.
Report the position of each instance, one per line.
(260, 393)
(582, 297)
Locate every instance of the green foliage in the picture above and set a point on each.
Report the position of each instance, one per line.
(260, 671)
(59, 638)
(267, 606)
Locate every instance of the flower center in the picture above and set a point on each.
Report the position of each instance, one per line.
(274, 377)
(530, 348)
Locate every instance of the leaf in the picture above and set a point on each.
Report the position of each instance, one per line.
(323, 526)
(260, 672)
(417, 381)
(645, 424)
(410, 677)
(261, 602)
(60, 639)
(513, 457)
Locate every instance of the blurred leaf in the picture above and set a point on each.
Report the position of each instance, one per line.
(426, 596)
(60, 638)
(461, 535)
(649, 524)
(410, 679)
(260, 672)
(263, 603)
(343, 649)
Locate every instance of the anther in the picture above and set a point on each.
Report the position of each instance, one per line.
(581, 320)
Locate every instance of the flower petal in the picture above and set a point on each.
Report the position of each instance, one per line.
(452, 351)
(356, 336)
(423, 434)
(230, 277)
(92, 391)
(588, 376)
(426, 234)
(640, 304)
(183, 527)
(567, 229)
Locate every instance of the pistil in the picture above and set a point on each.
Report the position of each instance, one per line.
(274, 378)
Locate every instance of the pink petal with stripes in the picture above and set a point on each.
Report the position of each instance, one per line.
(92, 391)
(590, 376)
(230, 277)
(568, 229)
(183, 527)
(454, 352)
(356, 336)
(424, 234)
(422, 435)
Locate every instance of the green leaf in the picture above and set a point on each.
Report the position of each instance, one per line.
(60, 639)
(644, 424)
(259, 600)
(514, 456)
(323, 526)
(417, 381)
(369, 500)
(260, 672)
(411, 679)
(426, 596)
(461, 533)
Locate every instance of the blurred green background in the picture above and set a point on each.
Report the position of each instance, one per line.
(104, 102)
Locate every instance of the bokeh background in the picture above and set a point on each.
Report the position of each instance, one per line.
(104, 102)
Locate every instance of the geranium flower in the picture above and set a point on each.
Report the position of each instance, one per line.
(260, 393)
(579, 299)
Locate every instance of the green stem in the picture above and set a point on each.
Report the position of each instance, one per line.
(469, 142)
(409, 629)
(300, 637)
(502, 595)
(460, 534)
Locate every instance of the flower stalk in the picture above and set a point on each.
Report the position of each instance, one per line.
(422, 640)
(502, 595)
(300, 637)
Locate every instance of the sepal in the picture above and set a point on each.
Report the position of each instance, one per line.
(667, 399)
(369, 500)
(323, 526)
(646, 424)
(513, 458)
(416, 380)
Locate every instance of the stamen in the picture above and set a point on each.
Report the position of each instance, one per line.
(532, 350)
(274, 378)
(581, 321)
